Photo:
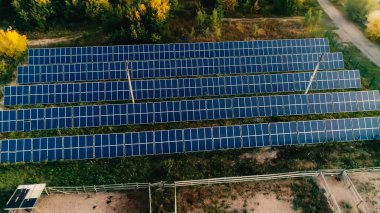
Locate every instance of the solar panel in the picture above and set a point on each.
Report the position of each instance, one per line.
(171, 51)
(188, 140)
(176, 88)
(173, 68)
(187, 110)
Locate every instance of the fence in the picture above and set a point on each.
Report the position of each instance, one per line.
(226, 180)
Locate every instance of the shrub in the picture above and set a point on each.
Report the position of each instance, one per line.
(32, 13)
(373, 26)
(12, 44)
(357, 10)
(95, 8)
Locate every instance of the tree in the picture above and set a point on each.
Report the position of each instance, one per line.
(229, 5)
(308, 18)
(161, 9)
(256, 7)
(12, 44)
(32, 13)
(214, 20)
(200, 19)
(288, 7)
(95, 8)
(357, 10)
(373, 26)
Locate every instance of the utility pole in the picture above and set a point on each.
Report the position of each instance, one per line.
(314, 73)
(129, 83)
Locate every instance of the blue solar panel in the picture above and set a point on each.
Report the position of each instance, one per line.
(175, 88)
(178, 67)
(188, 140)
(184, 50)
(182, 111)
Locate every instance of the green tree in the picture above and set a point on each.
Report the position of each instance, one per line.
(32, 14)
(256, 7)
(214, 20)
(96, 8)
(288, 7)
(357, 10)
(200, 19)
(307, 21)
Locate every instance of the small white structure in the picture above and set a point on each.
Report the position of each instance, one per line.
(25, 198)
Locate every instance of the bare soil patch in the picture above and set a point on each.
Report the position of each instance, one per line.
(344, 197)
(368, 186)
(266, 155)
(262, 197)
(115, 202)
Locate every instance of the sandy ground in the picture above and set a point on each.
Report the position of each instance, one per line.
(368, 186)
(349, 32)
(47, 41)
(95, 203)
(263, 197)
(342, 194)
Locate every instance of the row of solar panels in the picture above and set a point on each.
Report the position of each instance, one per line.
(174, 68)
(178, 88)
(188, 140)
(172, 51)
(187, 110)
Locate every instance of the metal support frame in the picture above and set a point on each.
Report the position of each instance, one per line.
(129, 82)
(330, 196)
(314, 73)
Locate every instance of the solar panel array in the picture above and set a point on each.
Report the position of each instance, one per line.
(188, 140)
(187, 110)
(170, 51)
(176, 88)
(236, 68)
(176, 67)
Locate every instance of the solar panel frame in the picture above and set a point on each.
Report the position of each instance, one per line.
(175, 68)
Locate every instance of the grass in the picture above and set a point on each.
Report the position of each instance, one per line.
(355, 59)
(308, 197)
(186, 166)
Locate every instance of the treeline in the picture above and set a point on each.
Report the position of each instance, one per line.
(141, 20)
(364, 12)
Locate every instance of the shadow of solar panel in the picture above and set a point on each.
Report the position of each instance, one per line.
(183, 111)
(188, 140)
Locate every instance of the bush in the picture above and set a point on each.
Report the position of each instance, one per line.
(12, 44)
(32, 13)
(357, 10)
(95, 8)
(373, 26)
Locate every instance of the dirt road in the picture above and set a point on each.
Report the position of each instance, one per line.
(349, 32)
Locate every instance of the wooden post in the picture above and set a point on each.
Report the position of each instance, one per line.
(129, 83)
(150, 199)
(175, 198)
(314, 73)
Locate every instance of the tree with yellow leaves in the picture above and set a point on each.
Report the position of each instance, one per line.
(12, 44)
(373, 26)
(95, 8)
(161, 8)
